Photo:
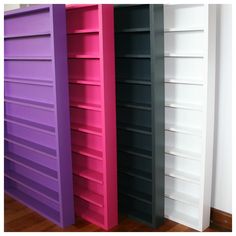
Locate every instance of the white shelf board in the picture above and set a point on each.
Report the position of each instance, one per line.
(187, 106)
(182, 129)
(182, 175)
(181, 197)
(183, 81)
(182, 153)
(184, 55)
(183, 29)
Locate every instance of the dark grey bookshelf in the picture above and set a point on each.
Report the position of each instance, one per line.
(139, 42)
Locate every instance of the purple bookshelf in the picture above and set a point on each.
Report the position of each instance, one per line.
(38, 167)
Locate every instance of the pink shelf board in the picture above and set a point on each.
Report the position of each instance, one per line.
(78, 6)
(90, 196)
(86, 128)
(83, 31)
(87, 152)
(90, 175)
(89, 106)
(86, 82)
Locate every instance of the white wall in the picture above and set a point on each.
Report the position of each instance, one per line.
(8, 7)
(222, 167)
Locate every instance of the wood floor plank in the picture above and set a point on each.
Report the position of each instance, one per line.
(178, 228)
(19, 218)
(167, 225)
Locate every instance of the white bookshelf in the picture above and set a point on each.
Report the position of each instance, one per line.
(189, 96)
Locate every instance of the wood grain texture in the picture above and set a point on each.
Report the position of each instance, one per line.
(220, 219)
(19, 218)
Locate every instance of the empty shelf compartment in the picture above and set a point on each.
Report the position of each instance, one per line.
(90, 175)
(136, 173)
(31, 165)
(182, 175)
(32, 185)
(89, 196)
(30, 124)
(30, 145)
(89, 214)
(182, 197)
(141, 196)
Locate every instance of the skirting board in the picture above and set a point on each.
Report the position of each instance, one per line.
(221, 219)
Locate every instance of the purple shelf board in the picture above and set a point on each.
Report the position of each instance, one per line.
(28, 81)
(33, 146)
(46, 192)
(12, 36)
(43, 170)
(25, 102)
(43, 128)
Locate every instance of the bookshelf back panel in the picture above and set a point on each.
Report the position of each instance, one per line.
(134, 94)
(183, 141)
(30, 92)
(181, 93)
(85, 93)
(134, 117)
(133, 43)
(77, 19)
(31, 135)
(85, 69)
(87, 140)
(82, 184)
(133, 17)
(184, 16)
(135, 140)
(188, 68)
(136, 69)
(185, 42)
(26, 69)
(174, 185)
(83, 44)
(86, 117)
(81, 163)
(44, 117)
(39, 23)
(32, 155)
(31, 47)
(183, 118)
(20, 171)
(133, 162)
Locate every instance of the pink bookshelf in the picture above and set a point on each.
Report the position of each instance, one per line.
(90, 38)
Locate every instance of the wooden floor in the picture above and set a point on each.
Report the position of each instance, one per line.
(19, 218)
